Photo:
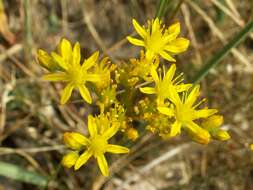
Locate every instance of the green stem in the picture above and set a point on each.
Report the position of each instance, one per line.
(222, 54)
(174, 13)
(161, 8)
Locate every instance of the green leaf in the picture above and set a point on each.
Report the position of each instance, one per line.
(20, 174)
(223, 52)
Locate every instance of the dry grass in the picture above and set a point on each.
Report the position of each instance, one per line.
(32, 121)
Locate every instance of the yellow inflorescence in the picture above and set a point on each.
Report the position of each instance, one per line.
(65, 66)
(135, 93)
(159, 41)
(96, 145)
(162, 84)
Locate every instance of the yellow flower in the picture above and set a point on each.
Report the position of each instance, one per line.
(104, 69)
(251, 146)
(185, 112)
(162, 84)
(69, 69)
(159, 41)
(96, 145)
(213, 124)
(142, 66)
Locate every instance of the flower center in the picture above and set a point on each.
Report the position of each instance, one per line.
(98, 144)
(155, 41)
(76, 76)
(183, 113)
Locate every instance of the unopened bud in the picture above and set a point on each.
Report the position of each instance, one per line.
(74, 141)
(69, 159)
(221, 135)
(132, 134)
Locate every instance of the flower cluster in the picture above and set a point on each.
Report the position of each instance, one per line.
(141, 90)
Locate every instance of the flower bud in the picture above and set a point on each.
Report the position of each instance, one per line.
(221, 135)
(201, 136)
(69, 159)
(46, 60)
(132, 134)
(74, 141)
(213, 122)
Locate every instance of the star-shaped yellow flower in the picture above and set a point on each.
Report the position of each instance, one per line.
(185, 113)
(162, 84)
(96, 145)
(65, 66)
(159, 41)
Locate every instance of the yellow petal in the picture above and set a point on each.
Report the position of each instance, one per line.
(166, 111)
(183, 87)
(167, 56)
(175, 128)
(82, 159)
(76, 55)
(69, 139)
(59, 60)
(173, 95)
(154, 75)
(102, 163)
(66, 93)
(170, 73)
(204, 113)
(177, 46)
(116, 149)
(88, 63)
(79, 138)
(85, 93)
(65, 50)
(69, 159)
(140, 30)
(92, 127)
(55, 77)
(94, 77)
(149, 55)
(172, 32)
(155, 25)
(135, 41)
(148, 90)
(193, 96)
(111, 132)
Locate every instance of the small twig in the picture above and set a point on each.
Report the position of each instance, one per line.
(64, 10)
(186, 13)
(216, 31)
(93, 31)
(169, 154)
(4, 100)
(235, 18)
(11, 51)
(35, 150)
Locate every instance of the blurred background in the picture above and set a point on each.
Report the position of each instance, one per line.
(32, 121)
